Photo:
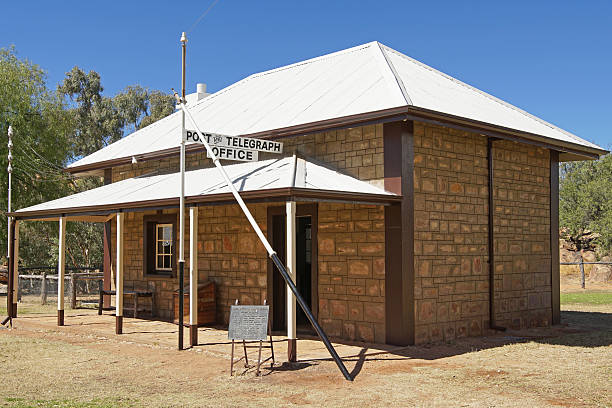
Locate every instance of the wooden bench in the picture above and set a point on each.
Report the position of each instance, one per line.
(135, 294)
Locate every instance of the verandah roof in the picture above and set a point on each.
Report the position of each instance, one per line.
(284, 177)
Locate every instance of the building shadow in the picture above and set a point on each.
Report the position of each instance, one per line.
(577, 329)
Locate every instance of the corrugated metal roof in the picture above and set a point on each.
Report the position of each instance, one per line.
(362, 79)
(288, 172)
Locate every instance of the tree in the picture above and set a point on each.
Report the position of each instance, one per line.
(139, 107)
(51, 130)
(97, 122)
(160, 106)
(585, 203)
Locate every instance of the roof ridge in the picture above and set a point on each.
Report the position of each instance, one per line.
(315, 59)
(399, 81)
(485, 94)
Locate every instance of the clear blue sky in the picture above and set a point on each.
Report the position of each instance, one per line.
(551, 58)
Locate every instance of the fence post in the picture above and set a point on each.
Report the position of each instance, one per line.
(72, 291)
(581, 271)
(43, 289)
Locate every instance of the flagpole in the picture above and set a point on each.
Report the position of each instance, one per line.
(182, 205)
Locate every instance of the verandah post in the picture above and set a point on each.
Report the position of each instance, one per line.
(119, 283)
(15, 263)
(291, 265)
(61, 269)
(193, 275)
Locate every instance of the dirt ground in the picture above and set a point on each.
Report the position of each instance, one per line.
(86, 364)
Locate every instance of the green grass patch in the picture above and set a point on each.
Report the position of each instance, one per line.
(590, 298)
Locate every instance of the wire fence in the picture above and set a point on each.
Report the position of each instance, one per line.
(81, 284)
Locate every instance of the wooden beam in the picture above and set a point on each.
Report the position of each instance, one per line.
(108, 263)
(15, 265)
(290, 209)
(554, 238)
(193, 276)
(399, 234)
(119, 272)
(61, 271)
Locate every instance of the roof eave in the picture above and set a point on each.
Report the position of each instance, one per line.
(374, 117)
(279, 194)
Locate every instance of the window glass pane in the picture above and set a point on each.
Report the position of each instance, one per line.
(160, 262)
(167, 233)
(167, 262)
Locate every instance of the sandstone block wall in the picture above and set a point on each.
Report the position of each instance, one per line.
(352, 271)
(451, 221)
(351, 265)
(357, 152)
(522, 235)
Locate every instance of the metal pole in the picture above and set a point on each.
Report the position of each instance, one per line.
(182, 204)
(266, 244)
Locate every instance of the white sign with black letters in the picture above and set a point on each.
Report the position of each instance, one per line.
(235, 147)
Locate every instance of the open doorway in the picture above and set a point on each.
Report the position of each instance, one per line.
(306, 265)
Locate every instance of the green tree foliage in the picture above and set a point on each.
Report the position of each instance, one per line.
(585, 203)
(51, 130)
(160, 105)
(42, 146)
(97, 122)
(139, 107)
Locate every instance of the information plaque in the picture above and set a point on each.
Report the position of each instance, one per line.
(248, 322)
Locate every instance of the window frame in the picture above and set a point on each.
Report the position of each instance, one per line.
(149, 244)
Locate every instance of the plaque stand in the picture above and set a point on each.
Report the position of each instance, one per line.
(260, 347)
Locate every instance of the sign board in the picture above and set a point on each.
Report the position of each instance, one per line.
(229, 153)
(248, 322)
(234, 147)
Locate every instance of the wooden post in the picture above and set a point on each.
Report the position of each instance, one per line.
(43, 289)
(193, 276)
(119, 284)
(61, 269)
(291, 268)
(15, 271)
(72, 291)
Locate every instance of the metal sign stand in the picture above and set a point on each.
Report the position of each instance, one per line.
(260, 347)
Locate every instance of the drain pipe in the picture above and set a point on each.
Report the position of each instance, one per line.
(492, 323)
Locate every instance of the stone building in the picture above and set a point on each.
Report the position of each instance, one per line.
(427, 210)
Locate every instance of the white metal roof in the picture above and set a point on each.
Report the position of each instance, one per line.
(288, 172)
(362, 79)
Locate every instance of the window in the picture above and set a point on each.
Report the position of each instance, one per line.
(159, 245)
(163, 254)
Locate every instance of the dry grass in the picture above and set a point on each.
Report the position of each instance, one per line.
(85, 366)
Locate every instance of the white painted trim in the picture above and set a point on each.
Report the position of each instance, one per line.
(193, 265)
(291, 268)
(61, 263)
(120, 254)
(16, 264)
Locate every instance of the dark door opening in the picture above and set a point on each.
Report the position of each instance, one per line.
(304, 272)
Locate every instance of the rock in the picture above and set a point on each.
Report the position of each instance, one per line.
(601, 273)
(589, 256)
(569, 256)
